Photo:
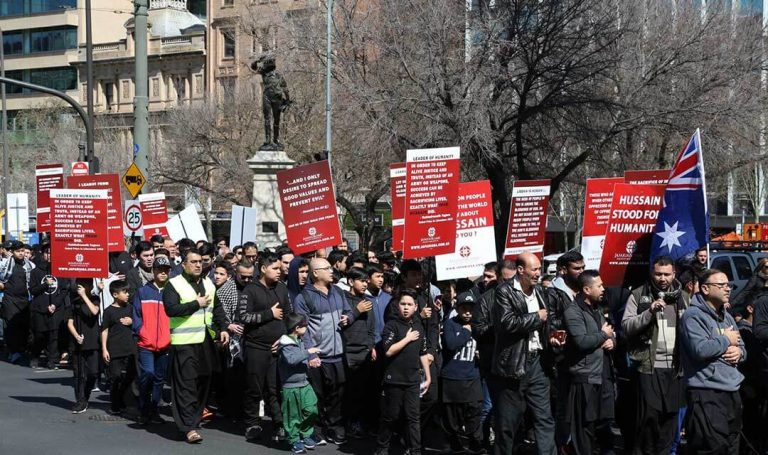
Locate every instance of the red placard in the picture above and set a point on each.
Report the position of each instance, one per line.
(397, 172)
(47, 177)
(432, 189)
(111, 183)
(309, 207)
(475, 237)
(527, 218)
(79, 233)
(647, 177)
(154, 213)
(631, 225)
(597, 208)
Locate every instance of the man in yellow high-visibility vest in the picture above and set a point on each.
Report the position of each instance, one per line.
(196, 321)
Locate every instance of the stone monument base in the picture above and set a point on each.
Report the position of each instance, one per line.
(265, 165)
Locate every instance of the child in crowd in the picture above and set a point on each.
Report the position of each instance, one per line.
(83, 325)
(359, 351)
(462, 390)
(118, 347)
(406, 373)
(299, 400)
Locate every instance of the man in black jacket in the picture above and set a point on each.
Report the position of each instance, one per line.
(518, 380)
(262, 306)
(590, 394)
(14, 282)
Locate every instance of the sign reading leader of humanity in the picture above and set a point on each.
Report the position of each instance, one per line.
(79, 233)
(309, 207)
(432, 188)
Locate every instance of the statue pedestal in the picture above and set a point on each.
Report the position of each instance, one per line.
(265, 165)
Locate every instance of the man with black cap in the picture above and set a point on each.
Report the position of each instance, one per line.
(462, 391)
(14, 282)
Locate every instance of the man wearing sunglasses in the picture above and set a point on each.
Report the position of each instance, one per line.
(711, 351)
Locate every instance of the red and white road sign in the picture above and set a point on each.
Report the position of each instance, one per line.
(133, 221)
(80, 168)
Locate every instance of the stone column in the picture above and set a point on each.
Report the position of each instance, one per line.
(265, 165)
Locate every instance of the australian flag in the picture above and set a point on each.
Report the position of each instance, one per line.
(683, 223)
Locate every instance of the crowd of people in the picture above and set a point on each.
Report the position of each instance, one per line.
(319, 348)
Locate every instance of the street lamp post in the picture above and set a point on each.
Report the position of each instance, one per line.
(92, 160)
(6, 161)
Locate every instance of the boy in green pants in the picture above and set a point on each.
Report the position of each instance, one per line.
(299, 400)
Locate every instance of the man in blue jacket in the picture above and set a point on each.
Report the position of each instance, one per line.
(712, 349)
(327, 312)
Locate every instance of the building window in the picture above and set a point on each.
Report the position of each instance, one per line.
(228, 36)
(64, 78)
(53, 39)
(26, 7)
(155, 87)
(109, 94)
(199, 86)
(227, 93)
(180, 84)
(13, 43)
(228, 3)
(13, 89)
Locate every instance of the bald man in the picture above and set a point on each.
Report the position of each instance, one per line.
(327, 312)
(517, 380)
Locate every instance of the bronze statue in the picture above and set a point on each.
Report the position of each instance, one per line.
(275, 99)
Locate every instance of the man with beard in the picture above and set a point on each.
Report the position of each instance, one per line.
(196, 319)
(590, 395)
(48, 299)
(565, 288)
(651, 328)
(518, 381)
(262, 306)
(14, 282)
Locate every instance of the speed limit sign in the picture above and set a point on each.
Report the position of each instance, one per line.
(133, 223)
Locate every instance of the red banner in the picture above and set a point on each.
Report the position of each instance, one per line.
(154, 213)
(475, 237)
(79, 233)
(397, 172)
(631, 224)
(527, 218)
(111, 183)
(47, 177)
(597, 209)
(432, 189)
(647, 177)
(309, 207)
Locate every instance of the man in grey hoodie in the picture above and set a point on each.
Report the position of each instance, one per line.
(712, 349)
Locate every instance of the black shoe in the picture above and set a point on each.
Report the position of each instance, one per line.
(80, 407)
(253, 432)
(279, 434)
(114, 412)
(156, 418)
(335, 439)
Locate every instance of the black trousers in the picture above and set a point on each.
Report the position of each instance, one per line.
(122, 373)
(189, 388)
(328, 383)
(85, 367)
(397, 400)
(510, 399)
(359, 401)
(261, 384)
(713, 422)
(16, 315)
(231, 392)
(462, 423)
(48, 341)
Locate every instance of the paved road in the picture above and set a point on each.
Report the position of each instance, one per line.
(35, 418)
